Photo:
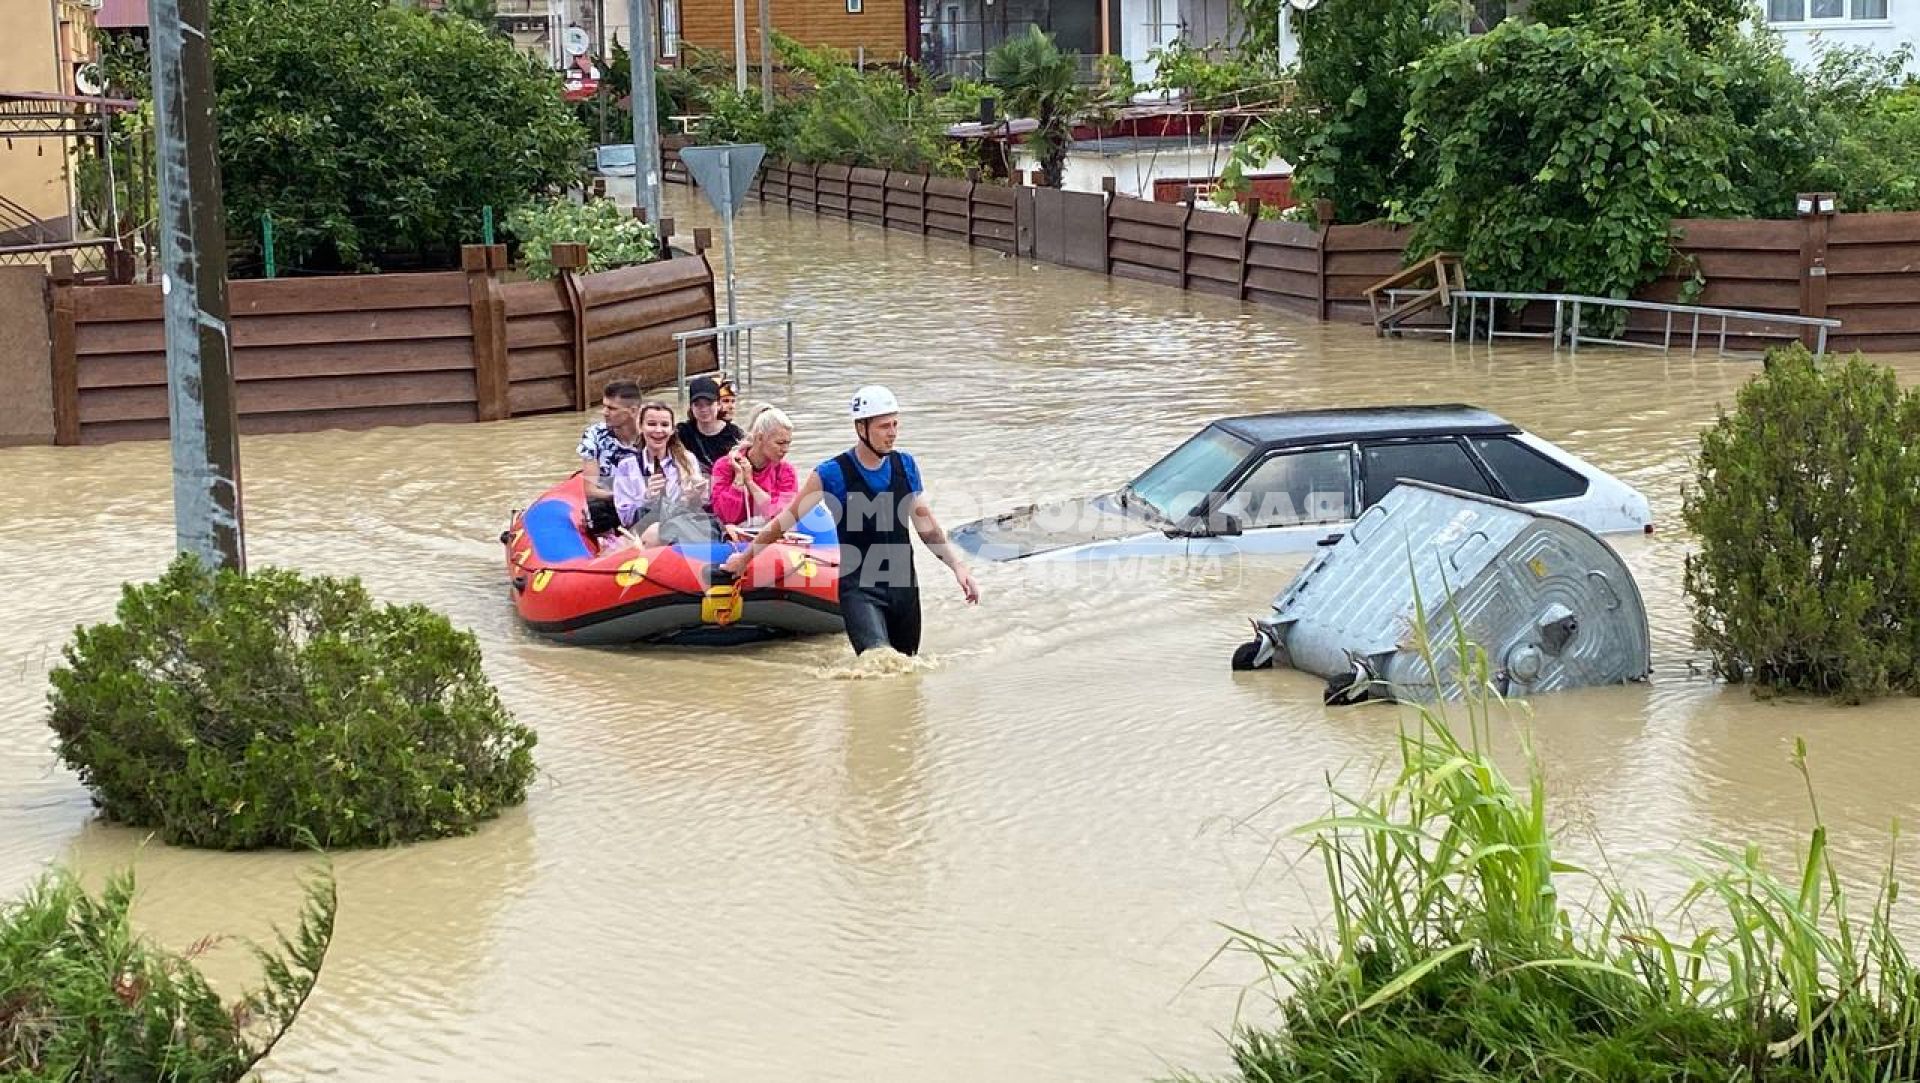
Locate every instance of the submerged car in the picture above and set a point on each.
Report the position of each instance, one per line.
(1287, 482)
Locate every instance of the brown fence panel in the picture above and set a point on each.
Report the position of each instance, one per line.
(1357, 257)
(994, 217)
(539, 336)
(1070, 228)
(906, 202)
(1873, 281)
(773, 182)
(803, 187)
(632, 313)
(1147, 241)
(867, 196)
(1283, 266)
(830, 189)
(1217, 252)
(308, 354)
(950, 208)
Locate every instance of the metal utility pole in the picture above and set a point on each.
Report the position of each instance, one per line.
(646, 115)
(740, 45)
(602, 58)
(766, 55)
(193, 283)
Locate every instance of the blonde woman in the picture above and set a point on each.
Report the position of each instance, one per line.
(662, 485)
(754, 481)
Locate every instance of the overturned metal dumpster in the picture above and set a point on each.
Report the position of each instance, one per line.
(1550, 603)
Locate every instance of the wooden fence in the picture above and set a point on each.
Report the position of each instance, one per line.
(359, 351)
(1863, 269)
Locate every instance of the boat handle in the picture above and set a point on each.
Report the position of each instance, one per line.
(1453, 558)
(1354, 530)
(1607, 584)
(519, 583)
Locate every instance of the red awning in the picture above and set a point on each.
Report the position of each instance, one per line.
(121, 15)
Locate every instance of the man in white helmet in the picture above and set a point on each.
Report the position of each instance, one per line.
(874, 494)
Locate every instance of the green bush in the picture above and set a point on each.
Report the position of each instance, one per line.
(370, 130)
(1807, 576)
(267, 709)
(614, 238)
(83, 997)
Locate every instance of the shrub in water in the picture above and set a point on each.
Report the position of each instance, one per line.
(82, 997)
(240, 711)
(1465, 948)
(1808, 572)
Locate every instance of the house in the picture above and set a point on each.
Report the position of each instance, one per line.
(872, 30)
(46, 44)
(1807, 26)
(956, 35)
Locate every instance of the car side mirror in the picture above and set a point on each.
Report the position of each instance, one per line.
(1226, 525)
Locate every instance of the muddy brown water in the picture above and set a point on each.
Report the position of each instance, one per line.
(1011, 861)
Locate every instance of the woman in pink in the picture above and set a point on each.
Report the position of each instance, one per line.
(755, 481)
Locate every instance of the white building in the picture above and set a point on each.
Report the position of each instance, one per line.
(1806, 26)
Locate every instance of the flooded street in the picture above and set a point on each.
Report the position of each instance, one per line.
(1012, 860)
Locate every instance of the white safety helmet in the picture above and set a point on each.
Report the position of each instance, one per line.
(874, 400)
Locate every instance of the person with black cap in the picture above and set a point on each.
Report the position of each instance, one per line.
(709, 438)
(874, 494)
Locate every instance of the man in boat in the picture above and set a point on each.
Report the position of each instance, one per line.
(873, 492)
(604, 444)
(704, 434)
(729, 400)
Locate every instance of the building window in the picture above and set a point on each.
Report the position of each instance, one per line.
(669, 29)
(1800, 11)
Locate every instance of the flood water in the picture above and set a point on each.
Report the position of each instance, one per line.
(1011, 861)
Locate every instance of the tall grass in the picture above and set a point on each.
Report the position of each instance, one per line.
(1464, 948)
(83, 997)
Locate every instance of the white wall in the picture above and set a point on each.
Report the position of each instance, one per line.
(1134, 173)
(1803, 39)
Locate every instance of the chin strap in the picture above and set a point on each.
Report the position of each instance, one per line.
(860, 434)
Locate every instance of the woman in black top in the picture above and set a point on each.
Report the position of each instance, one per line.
(704, 434)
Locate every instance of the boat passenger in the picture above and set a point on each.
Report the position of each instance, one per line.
(660, 492)
(704, 434)
(755, 481)
(604, 445)
(729, 398)
(873, 492)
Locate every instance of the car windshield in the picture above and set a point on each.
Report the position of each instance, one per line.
(1172, 486)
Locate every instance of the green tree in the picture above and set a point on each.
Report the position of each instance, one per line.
(368, 130)
(484, 12)
(1039, 81)
(1807, 576)
(1354, 84)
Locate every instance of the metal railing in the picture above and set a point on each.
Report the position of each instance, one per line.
(1569, 307)
(733, 335)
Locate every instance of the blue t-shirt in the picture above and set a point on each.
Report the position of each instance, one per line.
(835, 486)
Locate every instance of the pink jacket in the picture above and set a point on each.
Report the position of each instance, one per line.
(730, 501)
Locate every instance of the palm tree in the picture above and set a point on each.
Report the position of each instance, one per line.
(1039, 81)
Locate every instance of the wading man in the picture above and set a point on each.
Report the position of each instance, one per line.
(873, 492)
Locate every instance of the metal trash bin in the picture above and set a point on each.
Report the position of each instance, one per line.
(1549, 601)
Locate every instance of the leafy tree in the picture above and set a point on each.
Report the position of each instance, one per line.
(1354, 85)
(1560, 155)
(367, 129)
(268, 709)
(1041, 82)
(484, 12)
(1808, 573)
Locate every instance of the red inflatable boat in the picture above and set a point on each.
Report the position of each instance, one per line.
(572, 587)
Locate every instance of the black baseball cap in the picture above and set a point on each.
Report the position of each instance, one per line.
(703, 387)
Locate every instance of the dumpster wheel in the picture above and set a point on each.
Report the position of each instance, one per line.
(1245, 654)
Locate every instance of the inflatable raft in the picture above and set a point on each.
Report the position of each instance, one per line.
(572, 587)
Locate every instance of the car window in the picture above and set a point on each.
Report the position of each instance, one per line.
(1191, 472)
(1442, 462)
(1296, 487)
(1526, 474)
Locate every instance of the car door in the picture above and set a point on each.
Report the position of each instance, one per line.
(1438, 460)
(1286, 502)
